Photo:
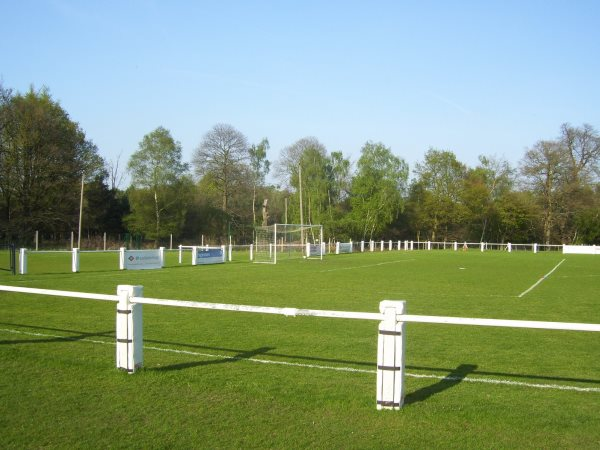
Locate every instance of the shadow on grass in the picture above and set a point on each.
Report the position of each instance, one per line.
(79, 335)
(230, 359)
(309, 359)
(452, 379)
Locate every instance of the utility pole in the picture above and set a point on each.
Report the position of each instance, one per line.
(301, 213)
(80, 214)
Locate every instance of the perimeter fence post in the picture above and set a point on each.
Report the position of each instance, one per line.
(161, 256)
(23, 261)
(75, 260)
(130, 346)
(390, 356)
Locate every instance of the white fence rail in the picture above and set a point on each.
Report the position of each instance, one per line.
(390, 347)
(383, 245)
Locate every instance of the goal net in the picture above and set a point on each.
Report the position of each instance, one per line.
(343, 247)
(278, 242)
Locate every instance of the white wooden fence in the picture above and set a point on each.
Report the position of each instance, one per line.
(364, 246)
(390, 345)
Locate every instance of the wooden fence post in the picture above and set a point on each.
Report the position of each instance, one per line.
(390, 356)
(130, 346)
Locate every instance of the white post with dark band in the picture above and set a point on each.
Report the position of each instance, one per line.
(130, 346)
(390, 356)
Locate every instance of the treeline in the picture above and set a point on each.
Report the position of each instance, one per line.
(552, 197)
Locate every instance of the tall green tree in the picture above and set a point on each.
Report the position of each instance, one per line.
(545, 169)
(161, 187)
(582, 148)
(339, 184)
(302, 167)
(259, 166)
(43, 155)
(223, 153)
(338, 169)
(103, 208)
(377, 189)
(483, 187)
(441, 177)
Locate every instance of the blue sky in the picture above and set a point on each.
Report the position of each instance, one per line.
(475, 77)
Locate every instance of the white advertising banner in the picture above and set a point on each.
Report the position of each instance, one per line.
(140, 259)
(582, 249)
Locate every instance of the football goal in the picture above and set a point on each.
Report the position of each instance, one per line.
(343, 247)
(287, 241)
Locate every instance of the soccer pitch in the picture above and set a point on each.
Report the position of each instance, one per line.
(218, 379)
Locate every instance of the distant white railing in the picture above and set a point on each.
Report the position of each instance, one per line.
(383, 245)
(390, 346)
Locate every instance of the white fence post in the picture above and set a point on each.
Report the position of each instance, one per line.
(122, 258)
(337, 248)
(481, 246)
(535, 248)
(509, 247)
(161, 256)
(180, 253)
(455, 246)
(390, 356)
(230, 247)
(23, 261)
(130, 348)
(428, 245)
(194, 255)
(75, 260)
(362, 246)
(251, 252)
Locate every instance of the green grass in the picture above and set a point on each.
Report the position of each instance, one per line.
(60, 389)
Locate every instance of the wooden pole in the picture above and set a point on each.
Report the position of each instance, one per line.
(80, 214)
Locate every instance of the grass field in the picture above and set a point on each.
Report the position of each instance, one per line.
(215, 379)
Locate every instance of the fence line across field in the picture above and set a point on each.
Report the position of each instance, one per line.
(392, 319)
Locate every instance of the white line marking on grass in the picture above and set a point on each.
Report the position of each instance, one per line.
(262, 361)
(66, 338)
(559, 387)
(540, 280)
(367, 265)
